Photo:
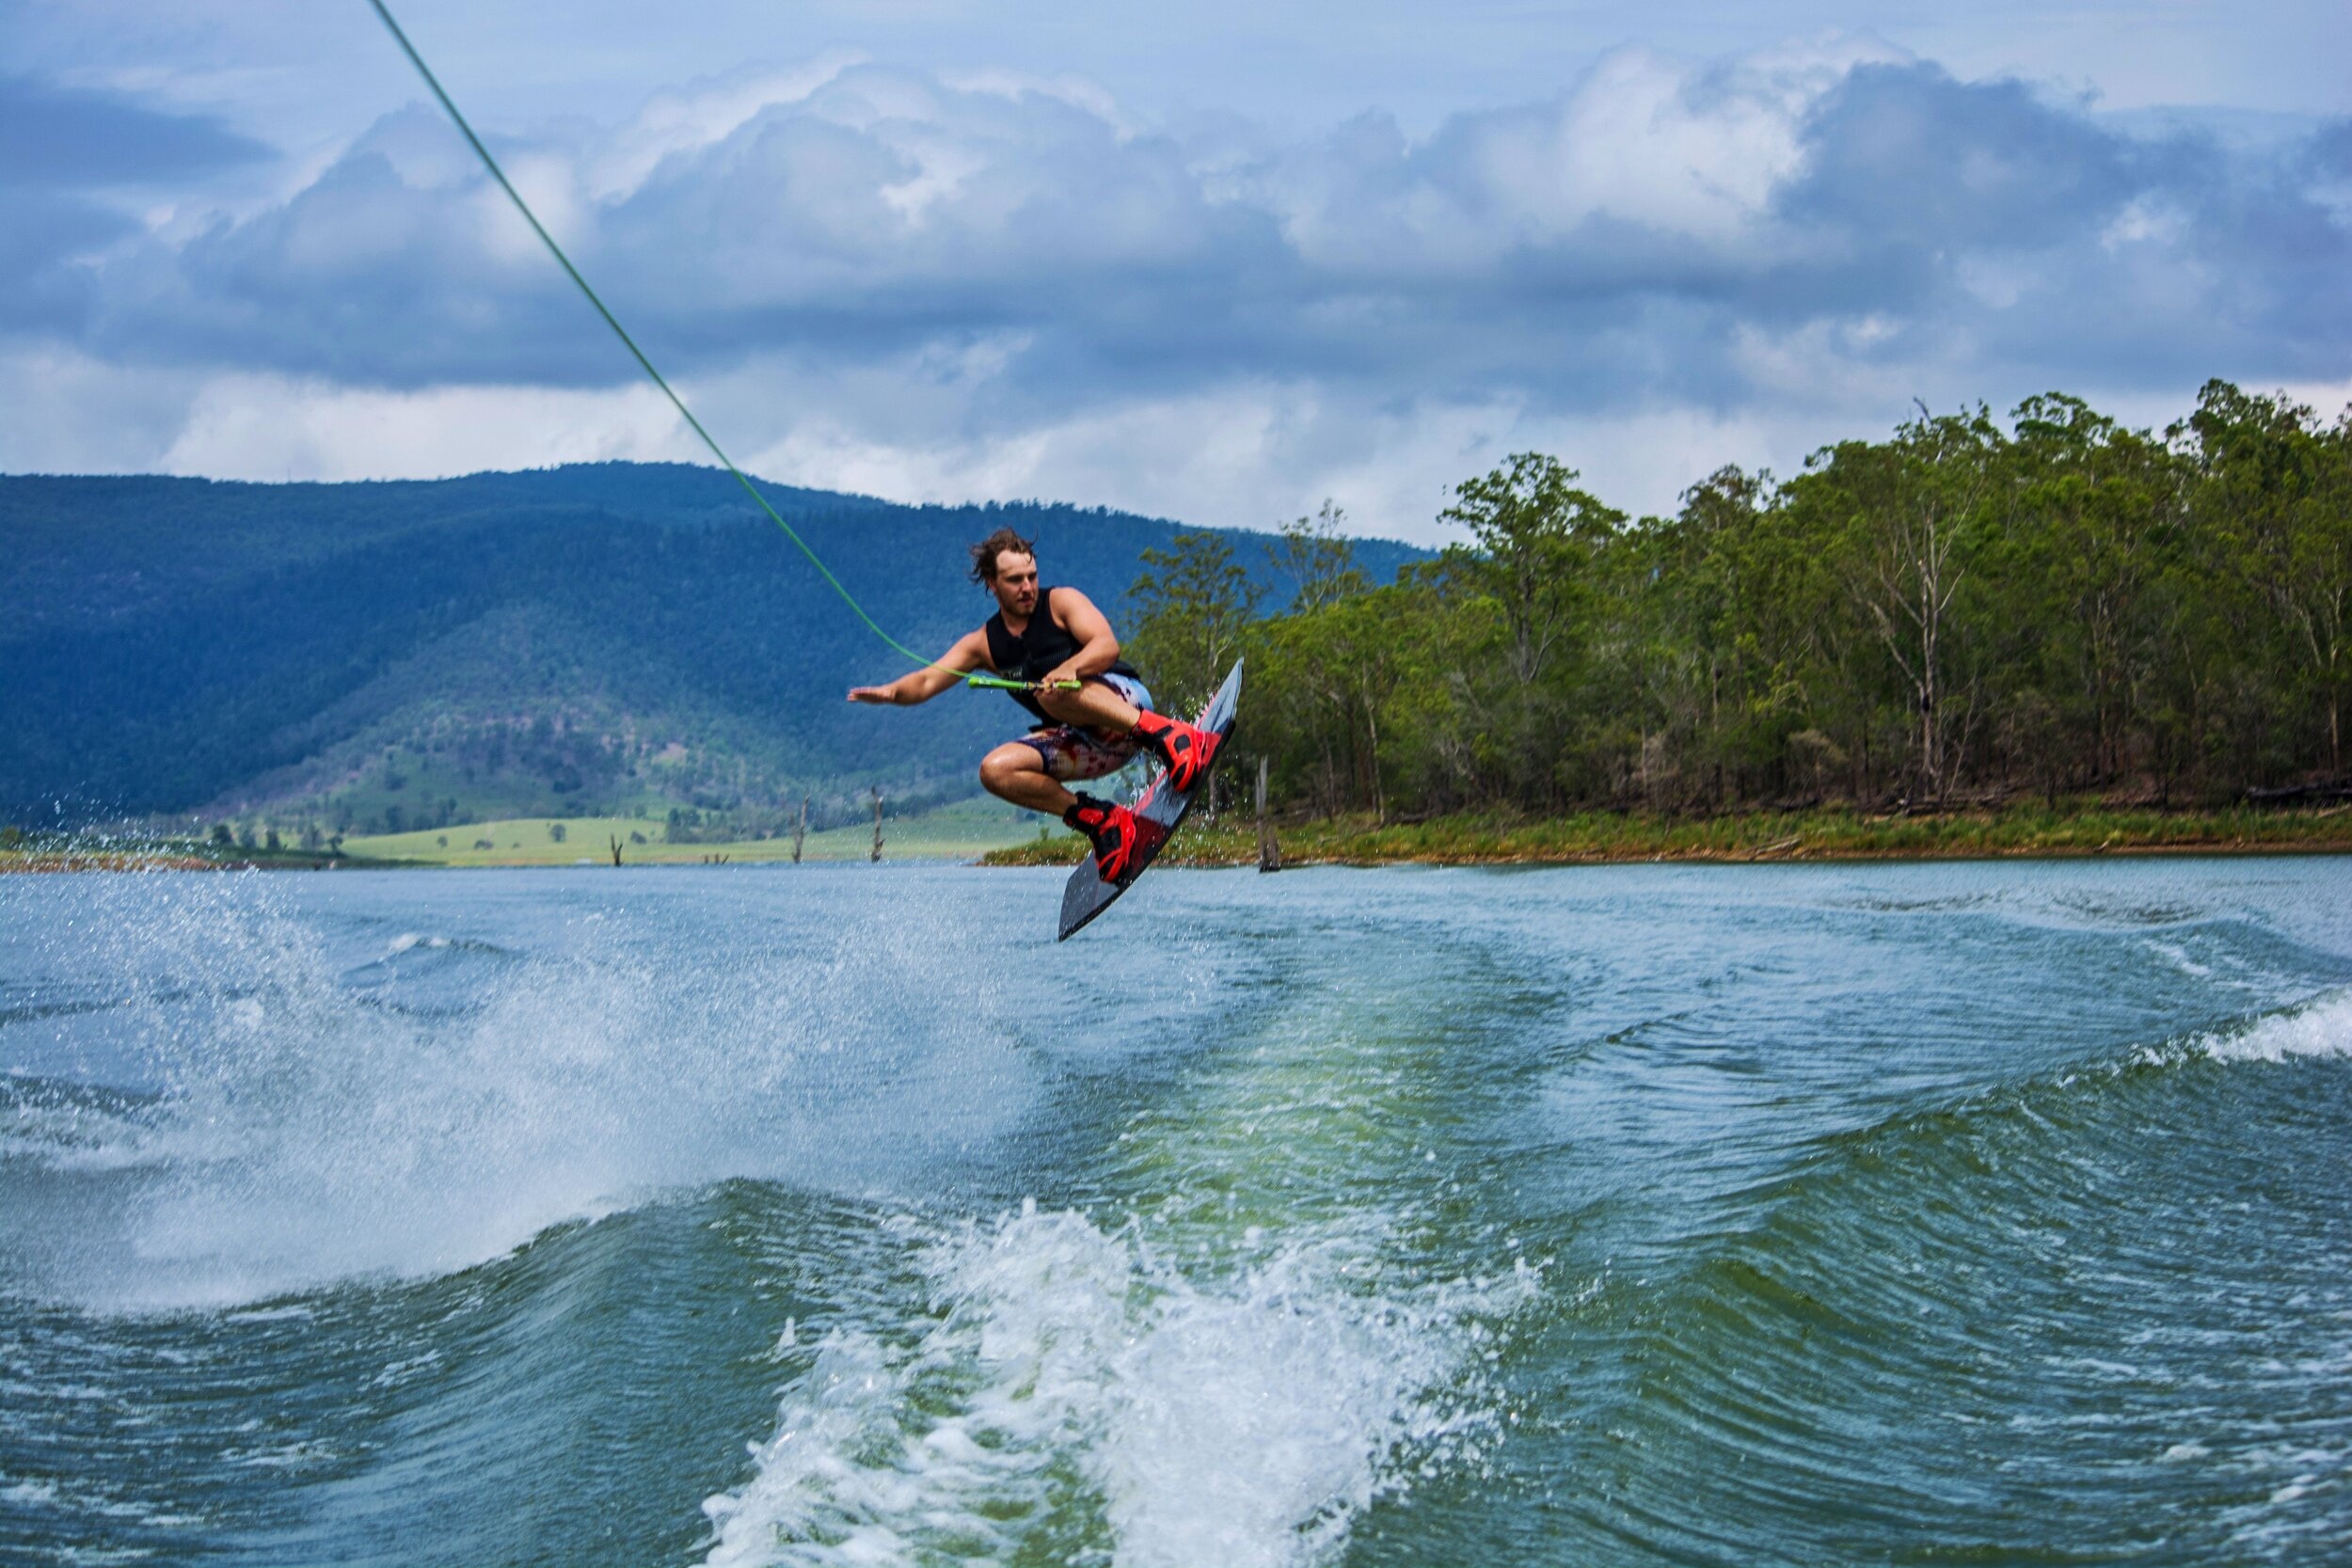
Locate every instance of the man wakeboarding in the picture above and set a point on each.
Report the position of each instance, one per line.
(1093, 712)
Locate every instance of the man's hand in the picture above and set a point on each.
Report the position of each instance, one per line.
(1064, 678)
(884, 694)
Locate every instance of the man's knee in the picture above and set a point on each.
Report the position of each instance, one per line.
(1002, 767)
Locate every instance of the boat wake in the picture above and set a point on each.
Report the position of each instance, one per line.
(1070, 1395)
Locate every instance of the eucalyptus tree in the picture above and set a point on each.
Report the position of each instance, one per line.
(1907, 519)
(2276, 496)
(1318, 559)
(1193, 604)
(1536, 539)
(2092, 517)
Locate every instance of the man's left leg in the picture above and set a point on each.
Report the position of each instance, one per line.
(1096, 705)
(1184, 750)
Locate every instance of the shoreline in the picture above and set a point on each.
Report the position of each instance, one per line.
(1745, 839)
(50, 862)
(1755, 838)
(1026, 857)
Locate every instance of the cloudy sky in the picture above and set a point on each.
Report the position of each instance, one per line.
(1216, 262)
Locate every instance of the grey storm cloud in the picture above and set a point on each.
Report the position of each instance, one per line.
(68, 156)
(1980, 206)
(54, 138)
(1903, 158)
(1647, 234)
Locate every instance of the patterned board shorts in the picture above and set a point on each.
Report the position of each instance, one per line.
(1072, 753)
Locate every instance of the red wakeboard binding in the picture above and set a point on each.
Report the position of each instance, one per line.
(1182, 749)
(1111, 829)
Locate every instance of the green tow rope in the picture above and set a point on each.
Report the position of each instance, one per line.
(685, 413)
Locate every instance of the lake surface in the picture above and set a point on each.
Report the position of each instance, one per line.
(1996, 1213)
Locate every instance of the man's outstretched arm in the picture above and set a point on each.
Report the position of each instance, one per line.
(921, 686)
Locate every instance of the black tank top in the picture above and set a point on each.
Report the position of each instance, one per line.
(1042, 647)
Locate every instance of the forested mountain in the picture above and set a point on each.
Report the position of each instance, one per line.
(590, 637)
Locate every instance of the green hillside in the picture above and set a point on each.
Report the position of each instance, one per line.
(598, 640)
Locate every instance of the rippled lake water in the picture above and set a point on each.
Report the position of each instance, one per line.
(1994, 1214)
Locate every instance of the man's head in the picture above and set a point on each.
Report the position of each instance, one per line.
(1005, 564)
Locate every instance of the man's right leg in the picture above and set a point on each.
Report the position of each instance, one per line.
(1016, 771)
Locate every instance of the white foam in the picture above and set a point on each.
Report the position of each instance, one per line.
(866, 1466)
(1076, 1377)
(1253, 1431)
(2178, 957)
(76, 1136)
(2318, 1028)
(308, 1131)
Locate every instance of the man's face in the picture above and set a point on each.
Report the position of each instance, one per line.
(1016, 583)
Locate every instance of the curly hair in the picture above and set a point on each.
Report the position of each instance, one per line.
(984, 554)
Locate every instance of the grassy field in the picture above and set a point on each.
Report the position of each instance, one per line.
(165, 854)
(1605, 836)
(966, 830)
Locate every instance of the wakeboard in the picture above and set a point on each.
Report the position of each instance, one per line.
(1158, 815)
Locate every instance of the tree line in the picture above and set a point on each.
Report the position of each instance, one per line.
(1961, 613)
